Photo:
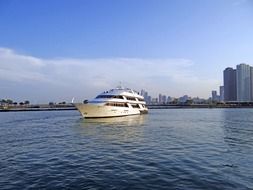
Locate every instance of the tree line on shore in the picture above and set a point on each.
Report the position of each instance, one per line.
(11, 102)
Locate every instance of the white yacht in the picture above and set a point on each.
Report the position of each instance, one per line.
(113, 103)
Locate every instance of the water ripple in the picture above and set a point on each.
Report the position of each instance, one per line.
(166, 149)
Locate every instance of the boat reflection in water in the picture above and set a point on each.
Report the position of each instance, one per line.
(132, 120)
(114, 130)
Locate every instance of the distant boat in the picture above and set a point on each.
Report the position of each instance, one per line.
(113, 103)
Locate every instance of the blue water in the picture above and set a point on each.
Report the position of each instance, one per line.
(166, 149)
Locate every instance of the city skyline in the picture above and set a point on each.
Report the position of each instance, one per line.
(54, 51)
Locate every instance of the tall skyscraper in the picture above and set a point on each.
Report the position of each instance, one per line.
(229, 78)
(221, 93)
(251, 82)
(243, 82)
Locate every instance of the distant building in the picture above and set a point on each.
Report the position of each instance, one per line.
(142, 92)
(251, 82)
(164, 99)
(183, 99)
(221, 93)
(169, 99)
(229, 79)
(147, 98)
(243, 82)
(160, 98)
(154, 101)
(197, 100)
(215, 97)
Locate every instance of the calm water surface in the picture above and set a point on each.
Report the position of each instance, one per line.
(166, 149)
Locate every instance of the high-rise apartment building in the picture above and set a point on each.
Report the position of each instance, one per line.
(251, 82)
(229, 78)
(221, 93)
(243, 82)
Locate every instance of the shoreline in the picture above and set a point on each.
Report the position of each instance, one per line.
(157, 106)
(198, 106)
(37, 109)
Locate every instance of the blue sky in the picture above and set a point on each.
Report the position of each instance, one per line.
(54, 50)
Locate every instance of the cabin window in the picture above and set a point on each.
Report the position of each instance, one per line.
(135, 105)
(104, 96)
(118, 97)
(131, 98)
(109, 96)
(116, 104)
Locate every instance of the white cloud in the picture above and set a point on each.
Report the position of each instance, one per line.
(55, 79)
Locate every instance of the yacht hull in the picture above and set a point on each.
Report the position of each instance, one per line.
(101, 111)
